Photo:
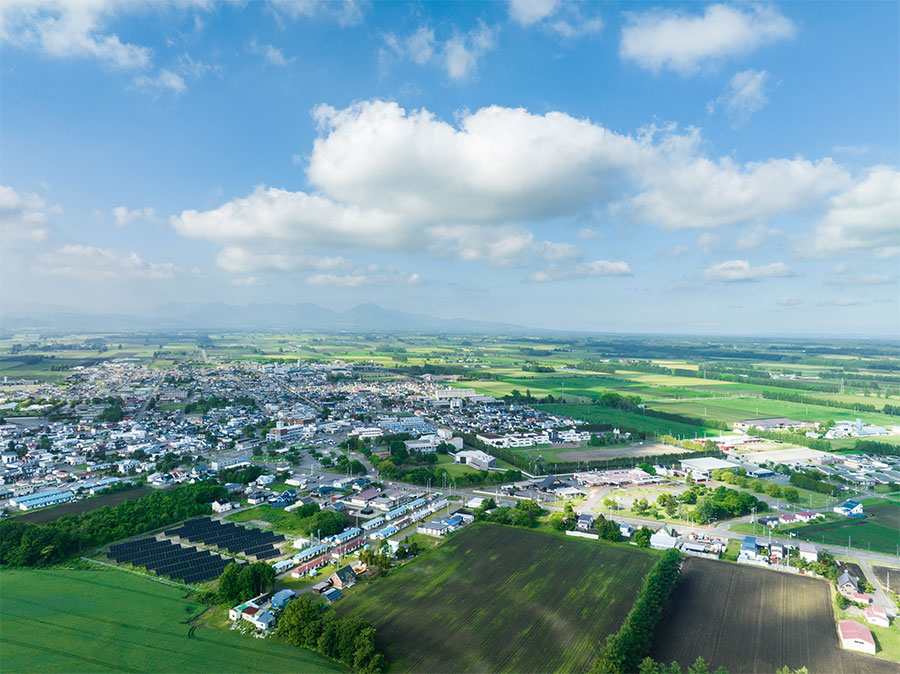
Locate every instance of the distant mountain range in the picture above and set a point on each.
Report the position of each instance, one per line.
(217, 316)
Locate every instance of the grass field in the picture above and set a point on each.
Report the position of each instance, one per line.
(285, 522)
(880, 531)
(502, 599)
(103, 621)
(755, 621)
(604, 415)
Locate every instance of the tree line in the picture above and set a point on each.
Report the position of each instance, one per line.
(25, 544)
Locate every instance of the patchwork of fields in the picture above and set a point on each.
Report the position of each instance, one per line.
(755, 621)
(879, 532)
(502, 599)
(604, 415)
(100, 621)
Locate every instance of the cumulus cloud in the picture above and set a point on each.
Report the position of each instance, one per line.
(756, 236)
(122, 216)
(344, 12)
(661, 39)
(382, 178)
(458, 56)
(788, 301)
(24, 217)
(864, 217)
(733, 271)
(78, 261)
(745, 95)
(559, 272)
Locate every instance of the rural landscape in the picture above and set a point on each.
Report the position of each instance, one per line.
(482, 337)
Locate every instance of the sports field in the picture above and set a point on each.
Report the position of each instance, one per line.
(755, 621)
(502, 599)
(103, 621)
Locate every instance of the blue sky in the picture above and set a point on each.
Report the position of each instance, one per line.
(721, 168)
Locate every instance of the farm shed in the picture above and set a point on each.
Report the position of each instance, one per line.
(856, 636)
(703, 467)
(877, 616)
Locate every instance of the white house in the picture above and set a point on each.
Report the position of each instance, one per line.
(877, 616)
(849, 508)
(475, 458)
(664, 538)
(808, 552)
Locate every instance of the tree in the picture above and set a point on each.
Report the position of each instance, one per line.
(641, 537)
(773, 490)
(229, 591)
(756, 485)
(44, 443)
(790, 494)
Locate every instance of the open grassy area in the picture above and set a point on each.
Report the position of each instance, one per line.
(604, 415)
(101, 621)
(285, 522)
(502, 599)
(879, 532)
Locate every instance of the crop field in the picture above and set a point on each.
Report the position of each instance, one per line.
(50, 514)
(502, 599)
(102, 621)
(737, 409)
(879, 532)
(604, 415)
(755, 621)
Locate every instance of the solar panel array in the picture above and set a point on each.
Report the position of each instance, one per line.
(228, 536)
(166, 558)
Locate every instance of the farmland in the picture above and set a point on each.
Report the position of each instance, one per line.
(755, 621)
(595, 414)
(879, 532)
(495, 598)
(50, 514)
(100, 621)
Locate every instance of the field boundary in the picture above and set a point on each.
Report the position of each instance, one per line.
(158, 579)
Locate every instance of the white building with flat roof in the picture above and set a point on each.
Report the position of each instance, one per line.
(706, 465)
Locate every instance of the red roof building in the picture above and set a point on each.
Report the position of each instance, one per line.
(856, 637)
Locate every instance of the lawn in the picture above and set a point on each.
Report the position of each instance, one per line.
(604, 415)
(281, 521)
(99, 621)
(880, 531)
(502, 599)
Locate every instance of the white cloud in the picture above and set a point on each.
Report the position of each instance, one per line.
(89, 262)
(788, 301)
(248, 282)
(588, 234)
(458, 56)
(707, 242)
(24, 217)
(122, 216)
(559, 272)
(659, 39)
(70, 30)
(240, 260)
(344, 12)
(382, 178)
(745, 95)
(529, 12)
(271, 54)
(165, 80)
(845, 274)
(563, 18)
(864, 217)
(370, 275)
(674, 251)
(741, 270)
(755, 237)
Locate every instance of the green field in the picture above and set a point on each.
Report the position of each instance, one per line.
(604, 415)
(879, 532)
(100, 621)
(502, 599)
(285, 522)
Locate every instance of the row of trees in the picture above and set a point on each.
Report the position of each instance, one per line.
(310, 624)
(624, 650)
(239, 583)
(811, 483)
(23, 544)
(524, 514)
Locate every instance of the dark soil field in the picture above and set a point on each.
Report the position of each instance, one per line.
(502, 599)
(888, 576)
(754, 621)
(50, 514)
